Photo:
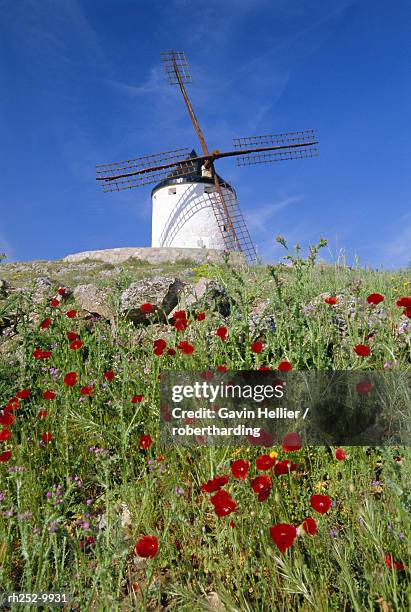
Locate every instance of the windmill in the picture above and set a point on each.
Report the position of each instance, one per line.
(191, 204)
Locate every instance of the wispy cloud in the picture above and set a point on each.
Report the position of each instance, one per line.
(258, 220)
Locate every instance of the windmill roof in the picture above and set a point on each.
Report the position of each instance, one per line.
(194, 177)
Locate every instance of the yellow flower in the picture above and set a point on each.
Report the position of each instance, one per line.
(273, 455)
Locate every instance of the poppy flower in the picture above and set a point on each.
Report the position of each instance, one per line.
(5, 456)
(215, 484)
(362, 350)
(404, 302)
(71, 336)
(264, 439)
(375, 298)
(23, 394)
(284, 366)
(6, 419)
(109, 375)
(331, 301)
(61, 291)
(261, 485)
(284, 466)
(146, 308)
(364, 386)
(257, 347)
(390, 563)
(181, 324)
(171, 352)
(201, 316)
(13, 404)
(320, 503)
(407, 312)
(309, 526)
(42, 414)
(159, 346)
(222, 368)
(40, 354)
(76, 344)
(86, 391)
(4, 435)
(47, 436)
(264, 462)
(71, 314)
(283, 535)
(340, 454)
(222, 332)
(147, 547)
(54, 303)
(49, 395)
(70, 379)
(291, 442)
(179, 314)
(223, 503)
(264, 368)
(45, 324)
(136, 399)
(185, 347)
(145, 441)
(239, 468)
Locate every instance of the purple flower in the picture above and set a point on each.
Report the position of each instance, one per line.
(333, 533)
(179, 490)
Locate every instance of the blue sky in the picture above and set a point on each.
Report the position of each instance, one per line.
(82, 82)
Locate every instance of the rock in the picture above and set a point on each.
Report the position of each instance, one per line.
(204, 294)
(93, 300)
(42, 288)
(3, 288)
(260, 321)
(162, 292)
(214, 603)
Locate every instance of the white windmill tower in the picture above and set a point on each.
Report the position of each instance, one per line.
(192, 206)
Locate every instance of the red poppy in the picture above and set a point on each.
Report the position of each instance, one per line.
(331, 301)
(222, 368)
(261, 485)
(257, 347)
(136, 399)
(147, 547)
(223, 503)
(71, 336)
(47, 436)
(70, 379)
(375, 298)
(145, 441)
(5, 456)
(215, 484)
(4, 435)
(159, 346)
(264, 462)
(364, 386)
(390, 563)
(407, 312)
(71, 314)
(340, 454)
(13, 404)
(264, 439)
(264, 368)
(185, 347)
(222, 332)
(291, 442)
(181, 324)
(201, 316)
(283, 535)
(320, 503)
(284, 466)
(49, 395)
(54, 303)
(61, 291)
(40, 354)
(179, 314)
(23, 394)
(45, 324)
(284, 366)
(309, 526)
(171, 352)
(86, 390)
(404, 302)
(362, 350)
(6, 419)
(239, 468)
(42, 414)
(109, 375)
(76, 344)
(146, 308)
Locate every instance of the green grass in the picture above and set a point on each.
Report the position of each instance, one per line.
(342, 567)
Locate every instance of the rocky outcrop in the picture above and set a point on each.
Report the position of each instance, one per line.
(161, 292)
(94, 301)
(154, 255)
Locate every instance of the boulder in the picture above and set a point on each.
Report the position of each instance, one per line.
(205, 294)
(93, 300)
(162, 292)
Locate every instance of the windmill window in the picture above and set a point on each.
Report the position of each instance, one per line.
(172, 191)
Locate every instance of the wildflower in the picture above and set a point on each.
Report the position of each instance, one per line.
(181, 324)
(71, 314)
(375, 298)
(45, 324)
(4, 435)
(6, 419)
(61, 291)
(340, 454)
(261, 485)
(223, 503)
(333, 533)
(54, 303)
(201, 316)
(283, 535)
(284, 467)
(179, 490)
(159, 346)
(390, 563)
(264, 439)
(320, 503)
(239, 468)
(147, 547)
(71, 336)
(109, 375)
(5, 456)
(171, 352)
(222, 332)
(47, 436)
(264, 462)
(145, 441)
(23, 394)
(215, 484)
(146, 308)
(76, 344)
(331, 301)
(404, 302)
(362, 350)
(49, 395)
(284, 366)
(86, 391)
(309, 526)
(291, 442)
(222, 368)
(364, 386)
(137, 399)
(42, 414)
(70, 379)
(257, 347)
(40, 354)
(185, 347)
